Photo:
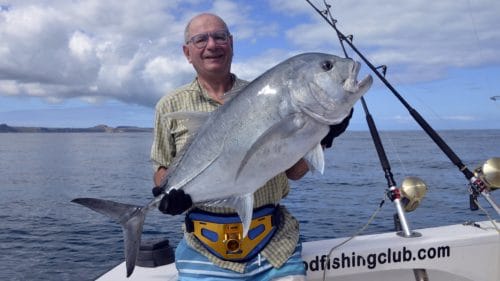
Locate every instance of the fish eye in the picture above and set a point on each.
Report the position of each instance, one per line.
(327, 65)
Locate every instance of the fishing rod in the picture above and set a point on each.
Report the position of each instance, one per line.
(477, 185)
(393, 192)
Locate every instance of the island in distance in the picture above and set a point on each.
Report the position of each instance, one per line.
(4, 128)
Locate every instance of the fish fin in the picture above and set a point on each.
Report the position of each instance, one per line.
(130, 217)
(243, 205)
(245, 211)
(281, 130)
(315, 159)
(193, 119)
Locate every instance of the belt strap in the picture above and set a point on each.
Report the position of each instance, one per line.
(199, 214)
(221, 234)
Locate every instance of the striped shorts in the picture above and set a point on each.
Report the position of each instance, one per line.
(193, 266)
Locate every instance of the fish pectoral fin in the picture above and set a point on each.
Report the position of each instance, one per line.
(274, 134)
(315, 159)
(193, 119)
(243, 205)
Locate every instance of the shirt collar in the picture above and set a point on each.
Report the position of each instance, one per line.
(238, 84)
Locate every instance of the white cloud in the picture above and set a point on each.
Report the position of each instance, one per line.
(461, 118)
(57, 49)
(9, 87)
(251, 68)
(81, 46)
(431, 36)
(174, 67)
(131, 50)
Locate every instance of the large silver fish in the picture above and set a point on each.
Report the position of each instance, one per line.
(263, 130)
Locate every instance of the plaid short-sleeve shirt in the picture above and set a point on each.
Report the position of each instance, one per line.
(169, 138)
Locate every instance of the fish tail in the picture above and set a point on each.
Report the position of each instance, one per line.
(130, 217)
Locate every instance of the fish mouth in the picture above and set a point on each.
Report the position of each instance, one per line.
(351, 84)
(366, 82)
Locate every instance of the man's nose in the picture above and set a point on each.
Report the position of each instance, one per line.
(211, 42)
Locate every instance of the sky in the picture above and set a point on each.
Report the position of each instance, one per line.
(86, 63)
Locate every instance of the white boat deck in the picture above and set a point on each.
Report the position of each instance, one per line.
(455, 253)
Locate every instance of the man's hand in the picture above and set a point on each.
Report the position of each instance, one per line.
(336, 130)
(174, 202)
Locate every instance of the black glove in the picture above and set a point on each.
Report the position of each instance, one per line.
(336, 130)
(157, 190)
(174, 202)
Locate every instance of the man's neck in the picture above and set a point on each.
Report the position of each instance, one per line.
(216, 88)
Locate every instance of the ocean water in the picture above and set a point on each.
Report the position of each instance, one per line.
(43, 236)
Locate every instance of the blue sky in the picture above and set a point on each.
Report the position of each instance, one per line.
(85, 63)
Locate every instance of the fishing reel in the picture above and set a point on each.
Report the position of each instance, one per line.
(411, 193)
(413, 190)
(489, 173)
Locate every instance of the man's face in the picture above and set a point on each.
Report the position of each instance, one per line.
(214, 58)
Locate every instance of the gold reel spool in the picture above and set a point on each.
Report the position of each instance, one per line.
(490, 172)
(413, 190)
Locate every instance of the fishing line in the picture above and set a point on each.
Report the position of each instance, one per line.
(487, 214)
(357, 233)
(395, 151)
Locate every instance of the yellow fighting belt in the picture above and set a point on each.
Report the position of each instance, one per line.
(222, 234)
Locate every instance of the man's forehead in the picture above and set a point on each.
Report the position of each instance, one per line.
(205, 24)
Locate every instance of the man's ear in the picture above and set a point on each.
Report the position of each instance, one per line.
(185, 49)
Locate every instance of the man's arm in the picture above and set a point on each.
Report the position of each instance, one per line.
(298, 170)
(159, 175)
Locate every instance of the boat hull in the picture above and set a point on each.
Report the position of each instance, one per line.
(456, 253)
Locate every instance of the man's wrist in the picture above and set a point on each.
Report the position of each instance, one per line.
(160, 175)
